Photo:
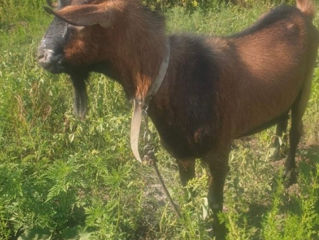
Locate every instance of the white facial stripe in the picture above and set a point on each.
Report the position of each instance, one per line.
(43, 43)
(65, 31)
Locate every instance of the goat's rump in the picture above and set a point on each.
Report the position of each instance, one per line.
(264, 69)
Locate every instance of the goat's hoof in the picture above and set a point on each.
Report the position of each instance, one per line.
(220, 231)
(290, 177)
(274, 154)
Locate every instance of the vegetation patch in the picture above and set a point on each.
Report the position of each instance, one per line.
(62, 178)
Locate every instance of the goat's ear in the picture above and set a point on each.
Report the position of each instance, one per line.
(84, 15)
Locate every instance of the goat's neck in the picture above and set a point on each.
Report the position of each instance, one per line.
(138, 66)
(137, 55)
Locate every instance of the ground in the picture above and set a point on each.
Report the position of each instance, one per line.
(63, 178)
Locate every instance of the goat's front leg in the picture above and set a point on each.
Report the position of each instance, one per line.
(218, 166)
(186, 169)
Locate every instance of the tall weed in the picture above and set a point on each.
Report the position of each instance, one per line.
(62, 178)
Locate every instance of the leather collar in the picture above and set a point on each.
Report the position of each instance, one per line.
(140, 106)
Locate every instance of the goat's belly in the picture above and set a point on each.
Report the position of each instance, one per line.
(264, 110)
(185, 143)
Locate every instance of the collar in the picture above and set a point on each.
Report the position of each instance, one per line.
(140, 106)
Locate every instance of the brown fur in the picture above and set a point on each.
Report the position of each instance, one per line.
(215, 89)
(129, 45)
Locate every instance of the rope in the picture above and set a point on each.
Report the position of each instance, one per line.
(150, 157)
(160, 178)
(140, 114)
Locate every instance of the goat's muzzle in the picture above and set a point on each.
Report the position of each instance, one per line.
(50, 60)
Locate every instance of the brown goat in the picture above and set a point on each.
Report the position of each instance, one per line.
(216, 88)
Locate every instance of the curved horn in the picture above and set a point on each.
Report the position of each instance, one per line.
(84, 15)
(50, 11)
(62, 4)
(49, 2)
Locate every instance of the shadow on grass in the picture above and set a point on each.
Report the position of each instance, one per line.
(310, 155)
(291, 198)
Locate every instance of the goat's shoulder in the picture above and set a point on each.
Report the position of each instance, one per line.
(189, 44)
(194, 47)
(193, 54)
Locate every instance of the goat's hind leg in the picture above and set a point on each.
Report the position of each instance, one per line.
(280, 130)
(297, 112)
(294, 138)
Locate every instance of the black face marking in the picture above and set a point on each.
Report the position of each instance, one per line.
(50, 51)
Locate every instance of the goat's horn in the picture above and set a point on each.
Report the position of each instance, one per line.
(48, 10)
(49, 2)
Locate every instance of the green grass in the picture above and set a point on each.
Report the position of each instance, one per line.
(61, 178)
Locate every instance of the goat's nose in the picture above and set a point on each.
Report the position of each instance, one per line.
(50, 60)
(45, 56)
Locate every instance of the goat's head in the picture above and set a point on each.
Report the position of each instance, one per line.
(115, 37)
(74, 37)
(78, 41)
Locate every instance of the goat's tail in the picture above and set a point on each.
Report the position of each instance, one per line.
(307, 7)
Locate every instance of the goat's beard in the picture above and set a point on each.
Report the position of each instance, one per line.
(79, 75)
(80, 94)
